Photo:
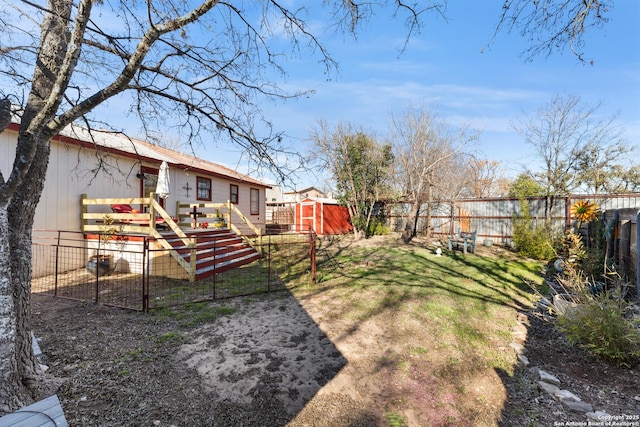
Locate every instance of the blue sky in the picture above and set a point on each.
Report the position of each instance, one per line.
(450, 67)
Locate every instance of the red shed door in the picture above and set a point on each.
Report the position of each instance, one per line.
(307, 216)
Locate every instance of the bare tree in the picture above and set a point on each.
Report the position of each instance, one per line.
(202, 66)
(429, 162)
(561, 134)
(484, 178)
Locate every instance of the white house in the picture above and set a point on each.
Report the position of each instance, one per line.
(129, 169)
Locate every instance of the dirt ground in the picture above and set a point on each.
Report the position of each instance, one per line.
(276, 360)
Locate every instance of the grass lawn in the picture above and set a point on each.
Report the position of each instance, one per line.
(441, 326)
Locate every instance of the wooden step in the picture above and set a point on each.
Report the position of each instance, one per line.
(209, 269)
(216, 251)
(207, 245)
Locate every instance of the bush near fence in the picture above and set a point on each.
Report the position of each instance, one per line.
(61, 262)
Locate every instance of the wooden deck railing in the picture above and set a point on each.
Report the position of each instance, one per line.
(98, 217)
(191, 215)
(196, 214)
(102, 220)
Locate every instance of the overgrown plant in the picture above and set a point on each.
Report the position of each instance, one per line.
(599, 319)
(112, 232)
(602, 327)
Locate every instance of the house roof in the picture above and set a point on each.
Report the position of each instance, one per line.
(323, 200)
(305, 190)
(121, 144)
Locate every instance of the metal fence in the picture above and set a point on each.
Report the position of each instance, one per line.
(493, 218)
(138, 276)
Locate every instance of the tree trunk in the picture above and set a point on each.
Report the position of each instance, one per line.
(20, 374)
(21, 218)
(354, 213)
(429, 200)
(548, 206)
(12, 394)
(412, 222)
(21, 379)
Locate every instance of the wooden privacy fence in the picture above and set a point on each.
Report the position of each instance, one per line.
(622, 235)
(492, 218)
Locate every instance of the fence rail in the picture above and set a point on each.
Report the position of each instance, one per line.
(138, 278)
(493, 218)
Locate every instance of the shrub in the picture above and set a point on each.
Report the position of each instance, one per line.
(600, 326)
(534, 242)
(597, 315)
(377, 228)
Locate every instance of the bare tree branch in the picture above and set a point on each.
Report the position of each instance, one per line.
(553, 25)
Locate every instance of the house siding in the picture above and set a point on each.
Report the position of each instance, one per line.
(70, 174)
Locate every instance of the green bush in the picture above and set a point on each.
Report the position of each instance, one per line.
(533, 242)
(600, 326)
(377, 228)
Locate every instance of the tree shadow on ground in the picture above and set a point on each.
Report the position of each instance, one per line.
(247, 361)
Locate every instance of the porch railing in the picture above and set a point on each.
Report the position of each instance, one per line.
(197, 214)
(143, 222)
(97, 217)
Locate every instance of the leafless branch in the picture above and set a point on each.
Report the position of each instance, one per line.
(553, 25)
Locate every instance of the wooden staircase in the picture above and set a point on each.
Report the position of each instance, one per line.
(199, 250)
(215, 251)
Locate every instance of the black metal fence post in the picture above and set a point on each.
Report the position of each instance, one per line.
(312, 255)
(145, 278)
(98, 269)
(55, 279)
(638, 257)
(269, 264)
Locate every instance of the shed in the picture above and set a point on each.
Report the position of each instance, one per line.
(324, 216)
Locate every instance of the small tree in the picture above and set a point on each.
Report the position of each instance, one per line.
(525, 186)
(360, 167)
